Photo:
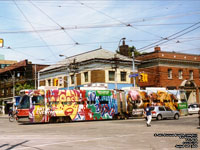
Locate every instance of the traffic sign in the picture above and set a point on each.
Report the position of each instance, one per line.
(133, 75)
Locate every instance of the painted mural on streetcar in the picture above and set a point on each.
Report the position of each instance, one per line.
(79, 105)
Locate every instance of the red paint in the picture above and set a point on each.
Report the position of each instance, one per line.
(23, 112)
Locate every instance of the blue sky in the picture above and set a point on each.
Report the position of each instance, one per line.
(32, 29)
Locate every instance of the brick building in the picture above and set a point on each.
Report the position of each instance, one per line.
(23, 72)
(173, 71)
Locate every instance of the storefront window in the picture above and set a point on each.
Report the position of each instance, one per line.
(123, 76)
(111, 75)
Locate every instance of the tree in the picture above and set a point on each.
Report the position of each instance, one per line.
(132, 49)
(136, 52)
(19, 87)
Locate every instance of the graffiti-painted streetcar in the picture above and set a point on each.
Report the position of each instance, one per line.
(67, 105)
(78, 105)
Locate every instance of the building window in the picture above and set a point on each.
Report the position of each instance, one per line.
(72, 79)
(180, 74)
(111, 75)
(191, 74)
(169, 73)
(49, 82)
(60, 81)
(86, 76)
(123, 76)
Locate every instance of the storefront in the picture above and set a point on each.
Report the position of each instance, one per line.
(5, 105)
(192, 91)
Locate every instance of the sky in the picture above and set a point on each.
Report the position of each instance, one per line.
(41, 30)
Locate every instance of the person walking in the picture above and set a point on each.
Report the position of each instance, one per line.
(148, 114)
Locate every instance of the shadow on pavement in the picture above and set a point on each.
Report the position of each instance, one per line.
(12, 146)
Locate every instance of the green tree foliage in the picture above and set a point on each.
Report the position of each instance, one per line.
(132, 49)
(19, 87)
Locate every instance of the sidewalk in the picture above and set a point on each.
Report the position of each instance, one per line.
(3, 116)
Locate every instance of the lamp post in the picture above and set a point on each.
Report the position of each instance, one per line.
(120, 42)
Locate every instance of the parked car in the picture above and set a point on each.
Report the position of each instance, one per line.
(162, 112)
(193, 108)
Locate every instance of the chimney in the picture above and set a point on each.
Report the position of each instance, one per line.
(123, 49)
(157, 49)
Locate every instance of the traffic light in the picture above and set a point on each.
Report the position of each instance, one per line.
(55, 82)
(1, 42)
(143, 77)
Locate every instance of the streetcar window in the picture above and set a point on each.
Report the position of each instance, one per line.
(37, 100)
(103, 102)
(54, 102)
(145, 101)
(90, 102)
(183, 100)
(66, 103)
(175, 100)
(156, 101)
(25, 102)
(137, 101)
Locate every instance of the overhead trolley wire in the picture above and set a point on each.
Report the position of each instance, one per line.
(126, 24)
(33, 27)
(61, 27)
(168, 38)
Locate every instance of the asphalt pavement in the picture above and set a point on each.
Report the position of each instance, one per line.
(127, 134)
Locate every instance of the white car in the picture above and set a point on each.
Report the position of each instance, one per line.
(193, 108)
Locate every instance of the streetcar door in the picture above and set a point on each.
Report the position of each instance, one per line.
(37, 110)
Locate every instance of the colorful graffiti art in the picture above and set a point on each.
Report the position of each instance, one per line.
(98, 105)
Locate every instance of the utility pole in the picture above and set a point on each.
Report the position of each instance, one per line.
(13, 79)
(133, 68)
(74, 67)
(68, 69)
(35, 77)
(38, 79)
(116, 62)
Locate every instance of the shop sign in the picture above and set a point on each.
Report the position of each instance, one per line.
(103, 93)
(182, 106)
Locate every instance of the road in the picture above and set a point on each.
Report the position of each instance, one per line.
(97, 135)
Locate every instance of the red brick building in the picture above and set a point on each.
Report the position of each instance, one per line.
(173, 71)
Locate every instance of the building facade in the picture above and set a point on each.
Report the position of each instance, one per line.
(99, 67)
(173, 71)
(23, 72)
(6, 63)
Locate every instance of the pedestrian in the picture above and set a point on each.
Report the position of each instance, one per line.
(148, 115)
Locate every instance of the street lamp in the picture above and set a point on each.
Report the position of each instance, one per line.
(133, 62)
(120, 42)
(116, 59)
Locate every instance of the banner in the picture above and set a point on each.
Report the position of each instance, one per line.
(103, 93)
